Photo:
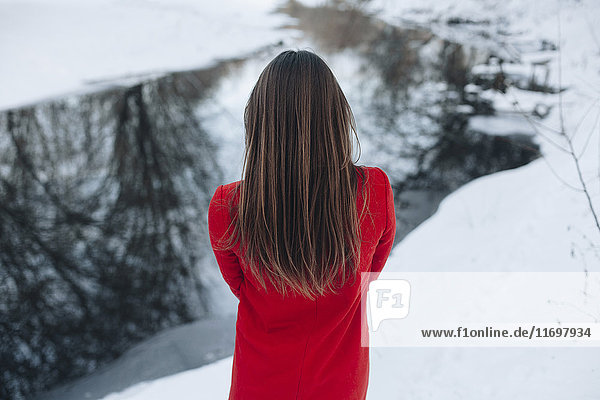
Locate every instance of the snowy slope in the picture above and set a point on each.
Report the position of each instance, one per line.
(209, 382)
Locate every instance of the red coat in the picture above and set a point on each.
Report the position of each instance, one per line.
(294, 348)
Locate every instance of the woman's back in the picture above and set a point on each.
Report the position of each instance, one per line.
(293, 347)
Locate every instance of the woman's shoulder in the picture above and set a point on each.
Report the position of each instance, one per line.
(219, 206)
(375, 175)
(229, 188)
(223, 192)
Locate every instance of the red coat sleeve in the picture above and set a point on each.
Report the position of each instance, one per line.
(218, 222)
(384, 247)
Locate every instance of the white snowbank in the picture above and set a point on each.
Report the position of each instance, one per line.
(209, 382)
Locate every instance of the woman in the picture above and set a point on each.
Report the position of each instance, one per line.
(292, 238)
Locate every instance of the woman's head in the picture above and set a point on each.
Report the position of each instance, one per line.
(297, 102)
(296, 217)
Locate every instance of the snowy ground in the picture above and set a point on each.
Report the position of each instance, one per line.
(527, 219)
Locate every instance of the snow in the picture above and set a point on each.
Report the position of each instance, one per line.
(421, 374)
(64, 46)
(209, 382)
(500, 125)
(527, 101)
(526, 218)
(508, 69)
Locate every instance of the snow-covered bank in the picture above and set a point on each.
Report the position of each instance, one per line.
(57, 47)
(516, 220)
(209, 382)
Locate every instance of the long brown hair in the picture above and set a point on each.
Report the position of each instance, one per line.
(296, 217)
